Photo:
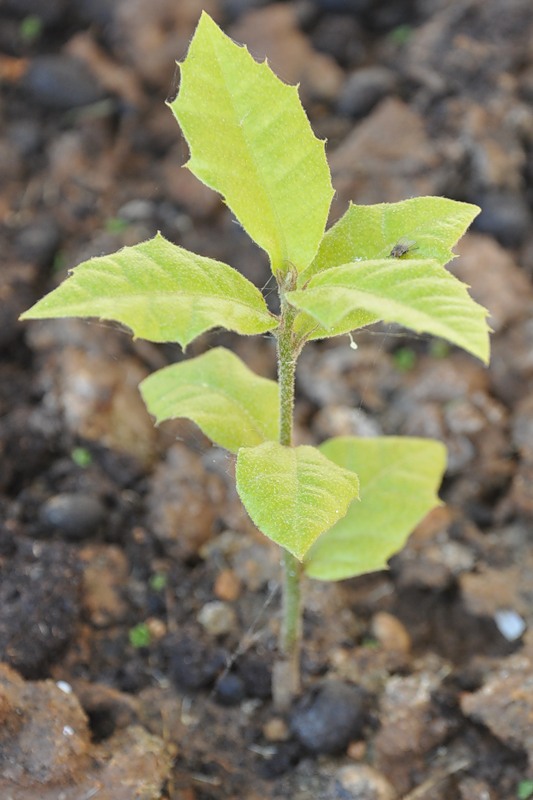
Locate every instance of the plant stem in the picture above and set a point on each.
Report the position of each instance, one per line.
(286, 676)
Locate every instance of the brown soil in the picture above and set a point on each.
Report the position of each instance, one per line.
(107, 524)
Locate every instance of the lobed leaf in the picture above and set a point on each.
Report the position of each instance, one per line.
(161, 292)
(431, 225)
(419, 294)
(399, 477)
(230, 403)
(251, 141)
(293, 494)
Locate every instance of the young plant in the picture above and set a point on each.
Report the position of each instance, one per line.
(343, 508)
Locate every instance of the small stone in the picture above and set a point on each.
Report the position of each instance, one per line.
(75, 515)
(361, 782)
(257, 676)
(157, 628)
(218, 618)
(276, 730)
(364, 89)
(390, 633)
(505, 215)
(227, 586)
(192, 665)
(327, 719)
(61, 83)
(229, 690)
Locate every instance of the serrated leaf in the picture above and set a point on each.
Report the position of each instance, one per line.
(419, 294)
(430, 225)
(160, 291)
(400, 478)
(251, 141)
(230, 403)
(293, 494)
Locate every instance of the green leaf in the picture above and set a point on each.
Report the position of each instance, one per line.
(251, 141)
(293, 494)
(230, 403)
(419, 294)
(399, 477)
(430, 225)
(162, 292)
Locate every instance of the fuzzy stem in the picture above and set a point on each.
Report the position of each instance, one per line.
(286, 677)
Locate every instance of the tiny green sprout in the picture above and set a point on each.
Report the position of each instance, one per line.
(401, 34)
(404, 359)
(31, 28)
(140, 636)
(59, 261)
(439, 348)
(81, 456)
(343, 508)
(158, 582)
(524, 790)
(116, 225)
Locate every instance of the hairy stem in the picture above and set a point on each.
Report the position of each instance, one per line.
(286, 677)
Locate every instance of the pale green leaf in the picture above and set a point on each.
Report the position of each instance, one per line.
(251, 141)
(162, 292)
(293, 494)
(400, 478)
(431, 226)
(230, 403)
(419, 294)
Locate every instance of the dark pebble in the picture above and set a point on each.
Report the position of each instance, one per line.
(340, 36)
(284, 760)
(61, 83)
(229, 690)
(364, 89)
(330, 717)
(38, 242)
(75, 515)
(506, 216)
(257, 677)
(191, 665)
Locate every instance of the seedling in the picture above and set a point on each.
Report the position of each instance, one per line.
(343, 508)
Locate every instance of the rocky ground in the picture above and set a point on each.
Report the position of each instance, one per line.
(138, 607)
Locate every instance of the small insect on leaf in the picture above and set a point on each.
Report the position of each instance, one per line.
(402, 247)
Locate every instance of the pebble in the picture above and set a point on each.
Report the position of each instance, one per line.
(256, 675)
(510, 624)
(276, 730)
(61, 83)
(390, 633)
(217, 618)
(191, 665)
(504, 215)
(327, 719)
(363, 89)
(227, 586)
(75, 515)
(229, 690)
(38, 241)
(340, 36)
(361, 782)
